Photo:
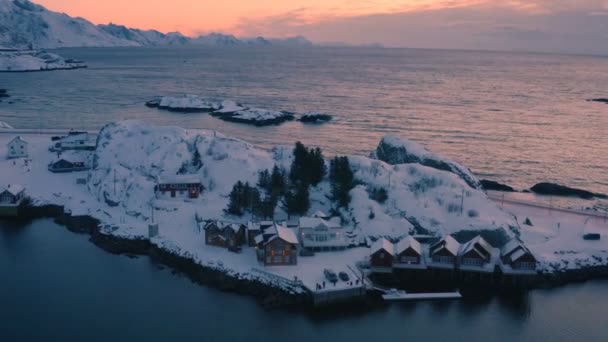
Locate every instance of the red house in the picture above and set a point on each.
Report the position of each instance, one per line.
(280, 248)
(444, 252)
(477, 252)
(408, 251)
(517, 256)
(382, 254)
(183, 186)
(224, 234)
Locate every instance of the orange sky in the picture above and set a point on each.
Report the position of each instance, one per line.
(201, 16)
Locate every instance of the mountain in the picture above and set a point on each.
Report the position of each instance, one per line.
(26, 25)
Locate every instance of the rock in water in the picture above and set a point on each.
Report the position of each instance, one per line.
(493, 185)
(561, 190)
(395, 150)
(602, 100)
(314, 117)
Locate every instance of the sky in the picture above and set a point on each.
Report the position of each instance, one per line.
(533, 25)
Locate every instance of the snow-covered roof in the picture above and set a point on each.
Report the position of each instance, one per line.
(179, 179)
(75, 137)
(447, 242)
(510, 247)
(320, 214)
(13, 189)
(286, 234)
(475, 244)
(408, 242)
(383, 244)
(514, 250)
(17, 139)
(312, 222)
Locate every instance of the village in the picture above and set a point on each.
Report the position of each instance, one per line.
(316, 253)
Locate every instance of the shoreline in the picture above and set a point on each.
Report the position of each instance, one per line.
(271, 297)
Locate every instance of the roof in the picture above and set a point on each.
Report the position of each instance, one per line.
(510, 246)
(13, 189)
(223, 225)
(17, 139)
(286, 234)
(383, 244)
(312, 222)
(408, 242)
(179, 179)
(514, 250)
(476, 242)
(75, 137)
(447, 242)
(320, 214)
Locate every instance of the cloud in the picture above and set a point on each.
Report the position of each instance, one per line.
(540, 25)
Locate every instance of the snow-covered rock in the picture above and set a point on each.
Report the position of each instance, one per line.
(21, 61)
(256, 116)
(315, 117)
(187, 104)
(395, 150)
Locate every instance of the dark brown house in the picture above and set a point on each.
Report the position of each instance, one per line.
(224, 234)
(382, 254)
(408, 251)
(516, 255)
(280, 248)
(444, 251)
(476, 252)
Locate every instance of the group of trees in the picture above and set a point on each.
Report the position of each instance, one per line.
(307, 169)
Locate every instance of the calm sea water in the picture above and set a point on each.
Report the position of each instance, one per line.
(55, 285)
(513, 117)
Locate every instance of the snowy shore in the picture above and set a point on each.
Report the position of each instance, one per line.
(28, 61)
(130, 155)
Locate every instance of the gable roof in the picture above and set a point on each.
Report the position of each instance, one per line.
(13, 189)
(514, 250)
(383, 244)
(17, 139)
(320, 214)
(179, 179)
(447, 242)
(476, 244)
(312, 222)
(408, 242)
(286, 234)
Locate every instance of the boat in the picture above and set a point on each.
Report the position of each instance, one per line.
(394, 294)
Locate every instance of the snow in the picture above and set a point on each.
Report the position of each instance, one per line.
(286, 234)
(229, 106)
(470, 245)
(447, 242)
(131, 155)
(13, 189)
(34, 61)
(178, 179)
(4, 125)
(407, 243)
(312, 222)
(259, 114)
(383, 244)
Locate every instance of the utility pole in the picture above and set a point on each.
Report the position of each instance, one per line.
(114, 182)
(462, 202)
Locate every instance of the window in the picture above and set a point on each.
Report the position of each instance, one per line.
(472, 262)
(409, 260)
(443, 259)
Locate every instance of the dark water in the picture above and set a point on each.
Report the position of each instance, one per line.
(56, 285)
(514, 117)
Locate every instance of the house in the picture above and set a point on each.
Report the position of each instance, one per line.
(515, 256)
(255, 229)
(67, 165)
(444, 252)
(16, 148)
(408, 252)
(321, 234)
(182, 186)
(280, 248)
(382, 254)
(224, 234)
(12, 194)
(477, 252)
(74, 141)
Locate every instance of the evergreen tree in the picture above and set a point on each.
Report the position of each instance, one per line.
(317, 166)
(298, 172)
(297, 200)
(278, 182)
(235, 200)
(264, 180)
(342, 180)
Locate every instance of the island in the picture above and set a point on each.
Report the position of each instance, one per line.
(36, 60)
(287, 224)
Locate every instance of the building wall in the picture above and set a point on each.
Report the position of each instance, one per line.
(178, 191)
(17, 150)
(279, 252)
(381, 258)
(473, 259)
(443, 256)
(408, 256)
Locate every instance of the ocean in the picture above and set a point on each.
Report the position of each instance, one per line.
(512, 117)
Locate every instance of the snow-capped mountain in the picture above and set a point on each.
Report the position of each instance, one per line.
(26, 25)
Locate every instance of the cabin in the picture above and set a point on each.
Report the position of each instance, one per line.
(321, 234)
(67, 165)
(280, 248)
(16, 148)
(476, 253)
(444, 252)
(408, 251)
(382, 254)
(12, 194)
(181, 186)
(516, 256)
(223, 234)
(74, 141)
(255, 229)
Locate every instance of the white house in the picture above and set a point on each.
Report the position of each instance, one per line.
(319, 234)
(12, 194)
(75, 141)
(17, 148)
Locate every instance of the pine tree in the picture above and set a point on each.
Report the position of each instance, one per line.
(342, 180)
(235, 199)
(297, 200)
(278, 182)
(264, 180)
(317, 166)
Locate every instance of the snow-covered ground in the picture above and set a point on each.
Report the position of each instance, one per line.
(131, 154)
(35, 61)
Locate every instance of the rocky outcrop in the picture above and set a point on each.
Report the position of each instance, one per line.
(601, 100)
(315, 118)
(395, 150)
(553, 189)
(493, 185)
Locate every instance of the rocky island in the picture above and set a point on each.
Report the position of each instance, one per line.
(29, 60)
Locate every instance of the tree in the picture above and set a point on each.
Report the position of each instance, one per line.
(342, 180)
(297, 200)
(235, 200)
(317, 166)
(278, 182)
(264, 180)
(308, 166)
